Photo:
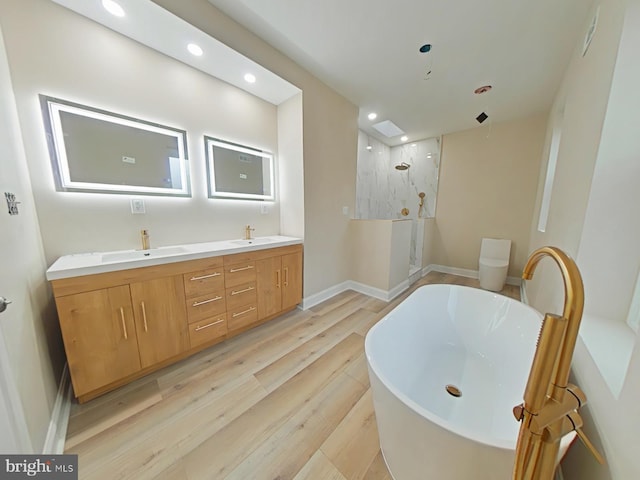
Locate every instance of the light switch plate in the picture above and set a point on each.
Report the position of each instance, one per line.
(264, 209)
(137, 206)
(345, 210)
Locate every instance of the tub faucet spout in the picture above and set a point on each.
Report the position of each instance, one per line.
(550, 408)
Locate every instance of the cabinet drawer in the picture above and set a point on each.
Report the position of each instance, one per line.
(203, 281)
(207, 330)
(205, 306)
(241, 295)
(239, 273)
(242, 316)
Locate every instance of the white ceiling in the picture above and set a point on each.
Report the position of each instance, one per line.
(151, 25)
(368, 51)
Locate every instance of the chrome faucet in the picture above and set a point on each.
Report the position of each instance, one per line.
(144, 236)
(247, 232)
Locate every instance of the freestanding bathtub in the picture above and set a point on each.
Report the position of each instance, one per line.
(478, 342)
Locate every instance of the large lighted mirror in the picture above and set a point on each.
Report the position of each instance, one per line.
(97, 151)
(236, 171)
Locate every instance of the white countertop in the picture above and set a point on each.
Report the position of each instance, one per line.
(101, 262)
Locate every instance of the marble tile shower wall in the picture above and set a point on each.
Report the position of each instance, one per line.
(382, 191)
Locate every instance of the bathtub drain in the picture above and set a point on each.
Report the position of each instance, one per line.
(453, 390)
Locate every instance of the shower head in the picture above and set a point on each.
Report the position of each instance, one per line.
(402, 166)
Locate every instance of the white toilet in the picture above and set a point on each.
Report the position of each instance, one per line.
(494, 263)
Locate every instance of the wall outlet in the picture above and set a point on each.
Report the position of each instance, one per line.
(264, 209)
(345, 211)
(137, 206)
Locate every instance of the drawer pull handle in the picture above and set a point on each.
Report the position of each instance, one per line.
(209, 325)
(278, 278)
(202, 277)
(238, 292)
(124, 325)
(286, 276)
(250, 309)
(234, 270)
(144, 317)
(197, 304)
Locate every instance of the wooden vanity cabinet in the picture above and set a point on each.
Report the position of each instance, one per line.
(279, 282)
(291, 280)
(206, 305)
(240, 280)
(121, 325)
(161, 320)
(100, 338)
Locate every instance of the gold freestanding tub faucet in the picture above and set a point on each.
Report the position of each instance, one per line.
(550, 408)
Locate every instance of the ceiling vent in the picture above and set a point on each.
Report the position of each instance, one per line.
(388, 128)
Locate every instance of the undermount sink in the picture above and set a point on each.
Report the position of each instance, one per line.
(253, 241)
(141, 254)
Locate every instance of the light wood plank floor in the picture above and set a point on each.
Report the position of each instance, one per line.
(287, 400)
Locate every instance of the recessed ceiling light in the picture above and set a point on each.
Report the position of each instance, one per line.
(404, 138)
(372, 116)
(414, 144)
(249, 77)
(113, 8)
(195, 49)
(369, 147)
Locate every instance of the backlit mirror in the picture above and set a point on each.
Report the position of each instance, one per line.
(97, 151)
(237, 171)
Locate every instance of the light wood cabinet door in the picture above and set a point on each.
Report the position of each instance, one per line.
(291, 280)
(99, 337)
(269, 285)
(161, 318)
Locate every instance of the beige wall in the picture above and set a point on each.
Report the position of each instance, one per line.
(370, 261)
(487, 188)
(330, 147)
(29, 325)
(49, 53)
(290, 167)
(589, 147)
(380, 256)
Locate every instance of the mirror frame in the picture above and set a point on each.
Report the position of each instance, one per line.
(51, 108)
(211, 142)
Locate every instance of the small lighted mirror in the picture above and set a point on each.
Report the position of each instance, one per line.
(236, 171)
(97, 151)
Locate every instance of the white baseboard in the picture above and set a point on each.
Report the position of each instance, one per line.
(56, 435)
(384, 295)
(464, 272)
(316, 298)
(388, 295)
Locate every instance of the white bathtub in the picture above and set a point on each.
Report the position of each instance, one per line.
(481, 342)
